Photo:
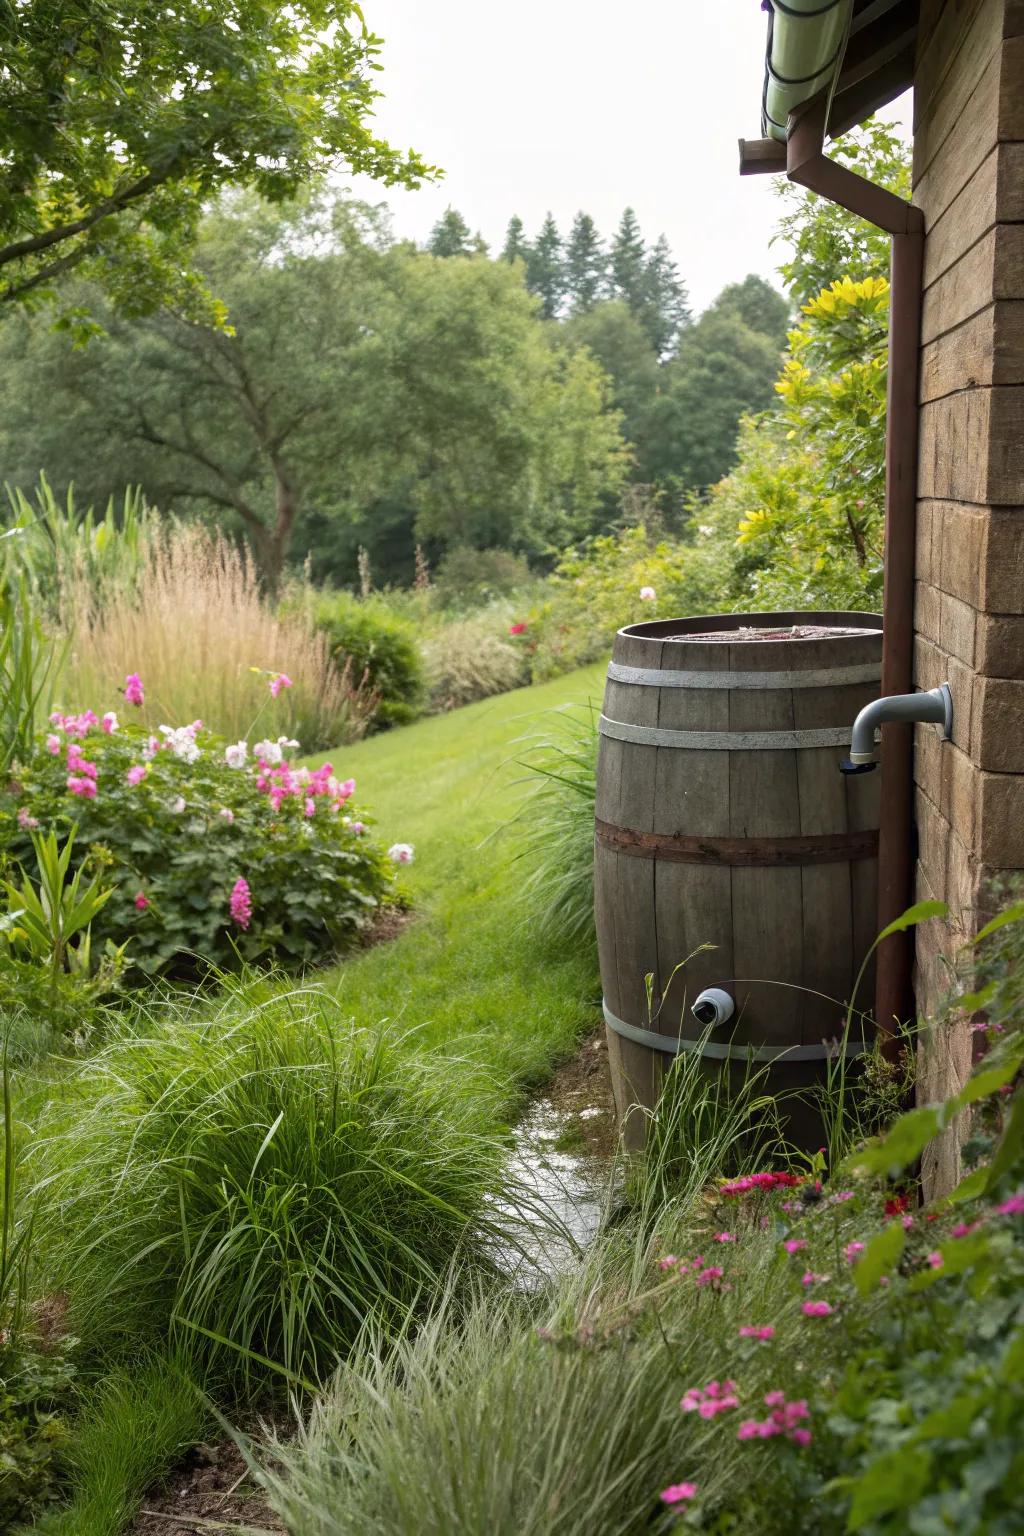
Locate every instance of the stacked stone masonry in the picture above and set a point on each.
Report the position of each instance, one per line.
(969, 609)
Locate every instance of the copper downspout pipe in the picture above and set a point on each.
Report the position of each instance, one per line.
(806, 163)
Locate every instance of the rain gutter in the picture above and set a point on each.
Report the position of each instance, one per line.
(803, 160)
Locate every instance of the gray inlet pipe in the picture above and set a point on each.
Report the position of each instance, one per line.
(932, 707)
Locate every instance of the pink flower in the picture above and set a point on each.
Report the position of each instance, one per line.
(517, 629)
(310, 806)
(841, 1195)
(668, 1262)
(53, 744)
(965, 1228)
(152, 747)
(226, 814)
(1012, 1207)
(723, 1237)
(26, 822)
(908, 1222)
(767, 1332)
(936, 1260)
(774, 1399)
(647, 594)
(802, 1437)
(810, 1278)
(141, 902)
(133, 690)
(401, 853)
(794, 1244)
(278, 682)
(84, 788)
(816, 1308)
(717, 1397)
(109, 722)
(851, 1251)
(136, 773)
(710, 1276)
(241, 902)
(677, 1493)
(358, 827)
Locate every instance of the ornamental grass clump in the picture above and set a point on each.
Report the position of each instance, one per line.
(195, 624)
(254, 1187)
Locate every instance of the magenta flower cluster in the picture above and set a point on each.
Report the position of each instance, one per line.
(784, 1419)
(762, 1181)
(240, 903)
(279, 780)
(717, 1397)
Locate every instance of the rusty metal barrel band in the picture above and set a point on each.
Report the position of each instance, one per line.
(725, 741)
(827, 677)
(740, 852)
(713, 1050)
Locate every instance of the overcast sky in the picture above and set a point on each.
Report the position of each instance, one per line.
(569, 104)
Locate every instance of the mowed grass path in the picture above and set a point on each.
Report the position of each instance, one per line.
(468, 973)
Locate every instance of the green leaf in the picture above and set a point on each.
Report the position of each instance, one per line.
(921, 912)
(970, 1187)
(894, 1480)
(903, 1145)
(958, 1254)
(879, 1257)
(1012, 914)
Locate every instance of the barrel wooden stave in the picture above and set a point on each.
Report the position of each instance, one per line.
(808, 924)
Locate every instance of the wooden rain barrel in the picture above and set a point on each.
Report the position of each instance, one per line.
(723, 819)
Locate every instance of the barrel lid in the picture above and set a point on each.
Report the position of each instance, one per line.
(757, 641)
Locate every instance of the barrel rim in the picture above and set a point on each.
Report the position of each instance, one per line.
(692, 631)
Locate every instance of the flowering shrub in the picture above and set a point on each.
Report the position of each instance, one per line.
(216, 851)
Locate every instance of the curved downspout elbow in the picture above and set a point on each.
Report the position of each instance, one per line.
(931, 707)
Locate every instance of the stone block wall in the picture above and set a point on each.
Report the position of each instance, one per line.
(969, 610)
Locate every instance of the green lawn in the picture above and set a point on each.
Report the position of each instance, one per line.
(468, 971)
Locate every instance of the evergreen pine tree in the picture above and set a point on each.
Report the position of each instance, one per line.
(628, 263)
(545, 269)
(516, 247)
(585, 265)
(450, 236)
(663, 310)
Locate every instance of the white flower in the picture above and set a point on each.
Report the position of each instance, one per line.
(226, 814)
(400, 853)
(648, 594)
(178, 805)
(182, 742)
(705, 530)
(269, 751)
(288, 743)
(235, 756)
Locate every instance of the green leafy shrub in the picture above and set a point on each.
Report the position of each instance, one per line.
(471, 578)
(622, 578)
(256, 1184)
(209, 862)
(472, 658)
(379, 646)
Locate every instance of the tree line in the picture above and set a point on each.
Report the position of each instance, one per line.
(363, 393)
(570, 275)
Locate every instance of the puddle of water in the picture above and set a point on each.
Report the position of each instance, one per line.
(565, 1195)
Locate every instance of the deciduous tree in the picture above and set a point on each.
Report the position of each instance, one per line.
(119, 119)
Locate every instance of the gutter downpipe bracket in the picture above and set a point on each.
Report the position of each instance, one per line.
(807, 164)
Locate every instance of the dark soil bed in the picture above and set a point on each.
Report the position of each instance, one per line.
(210, 1491)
